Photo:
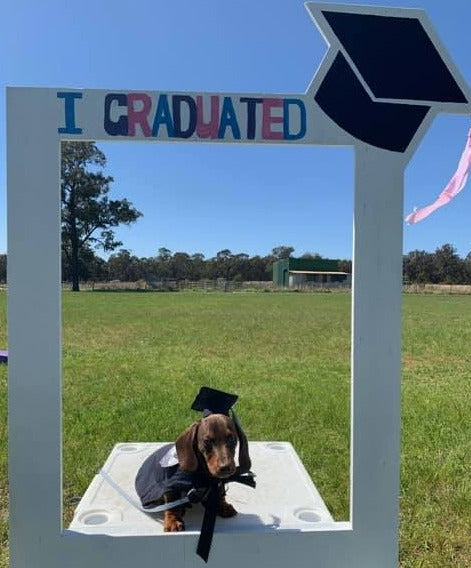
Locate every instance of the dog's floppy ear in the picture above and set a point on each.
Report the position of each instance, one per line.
(185, 446)
(245, 463)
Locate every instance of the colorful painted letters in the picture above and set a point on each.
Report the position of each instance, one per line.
(203, 116)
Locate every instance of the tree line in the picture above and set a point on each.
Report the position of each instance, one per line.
(443, 266)
(165, 265)
(89, 217)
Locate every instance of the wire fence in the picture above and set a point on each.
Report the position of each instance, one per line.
(170, 285)
(437, 288)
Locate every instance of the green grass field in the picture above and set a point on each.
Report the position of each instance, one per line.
(134, 361)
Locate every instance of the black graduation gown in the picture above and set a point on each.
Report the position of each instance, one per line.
(153, 479)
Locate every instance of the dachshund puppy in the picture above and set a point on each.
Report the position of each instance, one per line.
(207, 449)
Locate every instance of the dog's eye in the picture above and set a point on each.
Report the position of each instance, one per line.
(207, 445)
(231, 441)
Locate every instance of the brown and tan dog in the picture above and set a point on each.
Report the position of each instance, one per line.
(208, 447)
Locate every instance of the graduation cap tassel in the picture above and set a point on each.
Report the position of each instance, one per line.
(454, 186)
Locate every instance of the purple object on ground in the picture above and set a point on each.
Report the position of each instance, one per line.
(3, 356)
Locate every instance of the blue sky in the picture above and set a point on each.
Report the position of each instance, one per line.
(204, 198)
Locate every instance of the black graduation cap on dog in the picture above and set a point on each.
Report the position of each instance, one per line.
(213, 401)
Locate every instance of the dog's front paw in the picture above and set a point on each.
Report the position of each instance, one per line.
(173, 523)
(225, 509)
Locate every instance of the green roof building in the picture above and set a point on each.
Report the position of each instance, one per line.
(308, 272)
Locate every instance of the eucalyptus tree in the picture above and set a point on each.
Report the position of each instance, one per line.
(88, 213)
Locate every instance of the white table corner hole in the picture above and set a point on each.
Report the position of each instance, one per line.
(285, 497)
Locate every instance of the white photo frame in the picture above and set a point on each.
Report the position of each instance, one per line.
(38, 120)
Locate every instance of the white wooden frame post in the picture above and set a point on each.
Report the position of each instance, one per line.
(38, 120)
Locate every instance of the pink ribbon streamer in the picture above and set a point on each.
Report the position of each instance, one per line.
(454, 186)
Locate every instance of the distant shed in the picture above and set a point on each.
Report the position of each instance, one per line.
(304, 272)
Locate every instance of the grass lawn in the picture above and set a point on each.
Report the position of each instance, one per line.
(134, 361)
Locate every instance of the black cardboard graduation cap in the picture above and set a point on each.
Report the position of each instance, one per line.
(386, 76)
(213, 401)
